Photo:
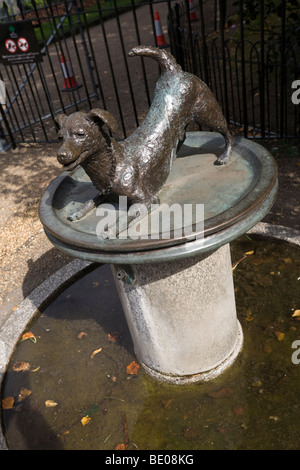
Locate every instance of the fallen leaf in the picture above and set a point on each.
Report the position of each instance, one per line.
(50, 403)
(113, 336)
(257, 383)
(95, 352)
(85, 420)
(81, 334)
(120, 447)
(249, 252)
(8, 403)
(30, 336)
(249, 315)
(296, 313)
(20, 366)
(24, 393)
(36, 369)
(222, 392)
(132, 368)
(238, 410)
(279, 335)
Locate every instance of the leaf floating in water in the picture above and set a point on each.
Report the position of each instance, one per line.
(85, 420)
(8, 403)
(249, 315)
(50, 403)
(20, 366)
(279, 335)
(113, 336)
(222, 392)
(296, 313)
(81, 335)
(238, 410)
(132, 368)
(24, 393)
(30, 336)
(95, 352)
(257, 383)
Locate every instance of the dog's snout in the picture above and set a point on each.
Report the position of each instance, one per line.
(64, 155)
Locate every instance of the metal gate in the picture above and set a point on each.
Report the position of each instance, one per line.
(85, 64)
(85, 47)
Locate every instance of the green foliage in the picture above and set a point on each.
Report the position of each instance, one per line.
(273, 17)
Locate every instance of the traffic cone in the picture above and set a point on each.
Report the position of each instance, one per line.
(160, 39)
(193, 16)
(69, 79)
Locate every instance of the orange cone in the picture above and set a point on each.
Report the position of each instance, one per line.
(69, 79)
(193, 16)
(160, 39)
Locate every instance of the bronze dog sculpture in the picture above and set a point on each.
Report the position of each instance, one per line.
(139, 166)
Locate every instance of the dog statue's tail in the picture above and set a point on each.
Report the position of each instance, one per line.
(166, 61)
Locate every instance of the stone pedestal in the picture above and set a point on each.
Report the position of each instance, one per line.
(182, 315)
(177, 291)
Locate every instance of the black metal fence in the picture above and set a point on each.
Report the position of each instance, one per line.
(250, 59)
(84, 45)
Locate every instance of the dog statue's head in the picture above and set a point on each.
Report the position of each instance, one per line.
(82, 135)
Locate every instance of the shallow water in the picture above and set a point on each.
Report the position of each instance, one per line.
(253, 405)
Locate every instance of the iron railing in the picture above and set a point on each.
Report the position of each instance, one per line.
(85, 64)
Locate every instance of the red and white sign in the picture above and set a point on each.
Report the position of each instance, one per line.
(23, 44)
(11, 46)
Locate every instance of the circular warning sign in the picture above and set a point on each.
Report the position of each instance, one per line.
(23, 44)
(11, 46)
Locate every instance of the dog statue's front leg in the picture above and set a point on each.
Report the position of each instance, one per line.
(87, 207)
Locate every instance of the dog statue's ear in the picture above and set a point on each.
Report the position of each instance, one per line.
(60, 119)
(105, 117)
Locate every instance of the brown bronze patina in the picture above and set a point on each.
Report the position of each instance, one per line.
(139, 166)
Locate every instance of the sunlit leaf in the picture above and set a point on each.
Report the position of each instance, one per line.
(249, 252)
(296, 313)
(132, 368)
(96, 351)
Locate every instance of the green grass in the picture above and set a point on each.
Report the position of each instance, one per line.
(71, 24)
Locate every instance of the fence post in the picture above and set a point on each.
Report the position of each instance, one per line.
(222, 9)
(262, 68)
(244, 93)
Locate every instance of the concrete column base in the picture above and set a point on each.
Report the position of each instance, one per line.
(182, 315)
